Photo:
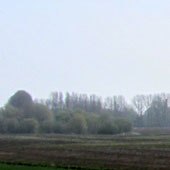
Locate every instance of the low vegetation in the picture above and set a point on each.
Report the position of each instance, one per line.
(24, 167)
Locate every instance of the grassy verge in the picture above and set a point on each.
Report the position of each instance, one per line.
(23, 167)
(30, 167)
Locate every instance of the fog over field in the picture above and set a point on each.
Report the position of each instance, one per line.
(93, 46)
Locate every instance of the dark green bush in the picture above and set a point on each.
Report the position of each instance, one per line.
(29, 126)
(122, 125)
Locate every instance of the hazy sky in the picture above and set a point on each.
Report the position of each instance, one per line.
(106, 47)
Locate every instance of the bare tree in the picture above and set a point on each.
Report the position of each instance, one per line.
(141, 103)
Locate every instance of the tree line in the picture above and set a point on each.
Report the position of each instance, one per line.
(83, 114)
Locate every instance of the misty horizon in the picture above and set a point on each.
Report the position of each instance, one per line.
(92, 47)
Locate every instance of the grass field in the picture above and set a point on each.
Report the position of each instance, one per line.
(49, 152)
(21, 167)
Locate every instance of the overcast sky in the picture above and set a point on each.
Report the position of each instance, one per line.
(106, 47)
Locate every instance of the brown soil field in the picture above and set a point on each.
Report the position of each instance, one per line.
(108, 152)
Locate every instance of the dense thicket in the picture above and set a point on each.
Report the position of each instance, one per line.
(143, 111)
(22, 115)
(81, 114)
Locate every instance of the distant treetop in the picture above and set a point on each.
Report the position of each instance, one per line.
(20, 99)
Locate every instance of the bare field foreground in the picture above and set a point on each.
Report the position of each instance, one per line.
(49, 152)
